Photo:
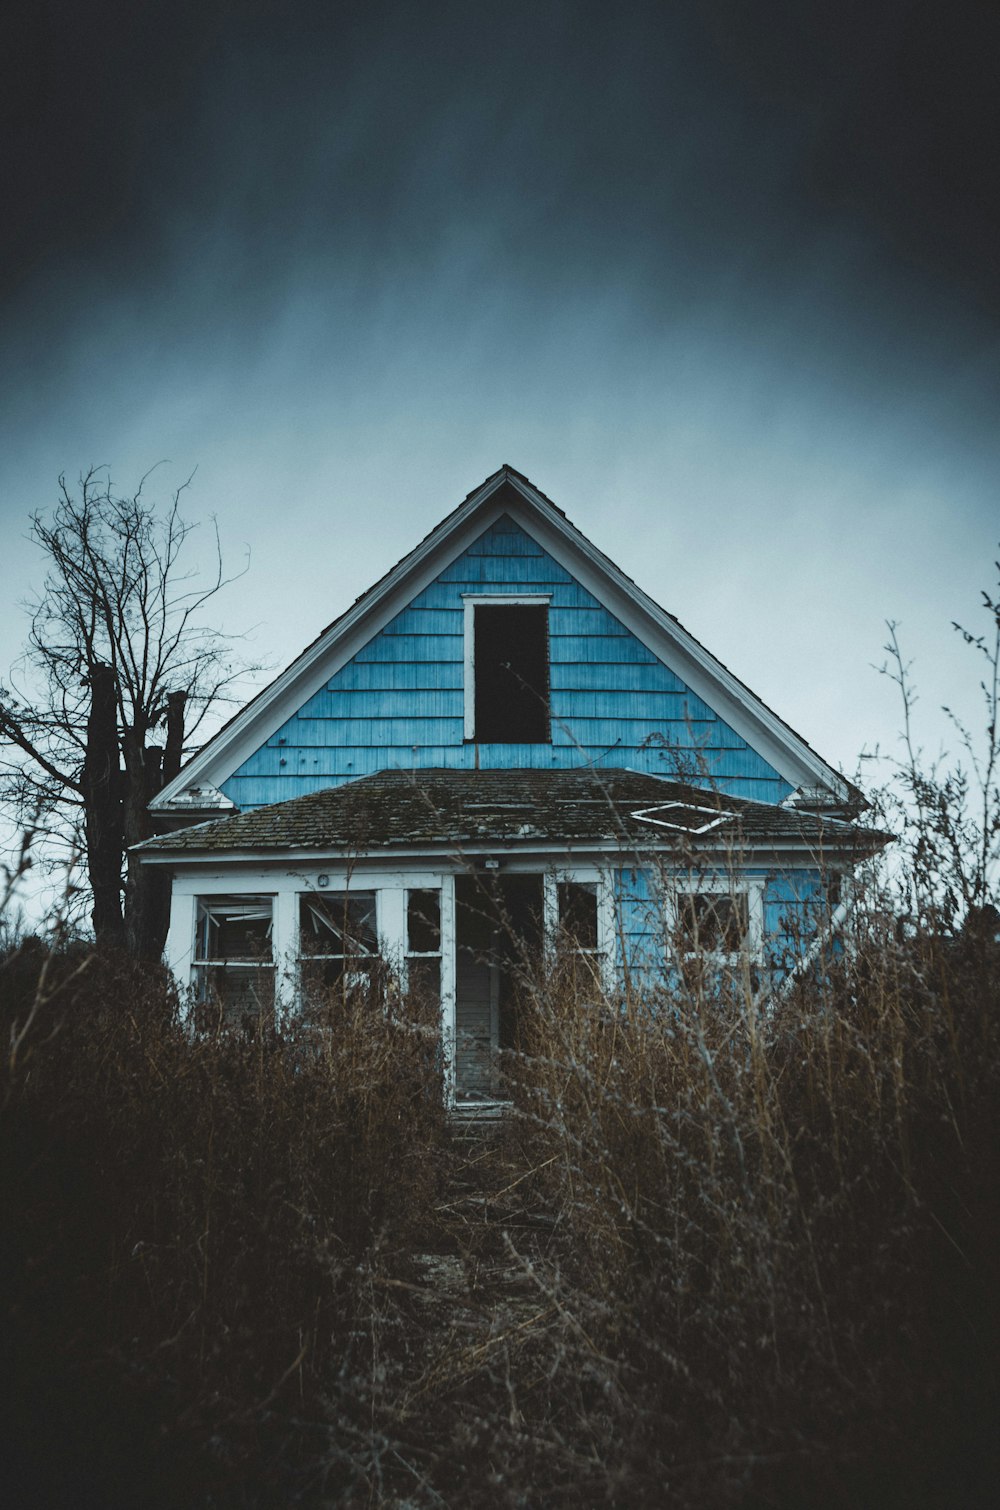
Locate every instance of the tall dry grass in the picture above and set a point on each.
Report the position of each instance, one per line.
(194, 1230)
(772, 1262)
(718, 1255)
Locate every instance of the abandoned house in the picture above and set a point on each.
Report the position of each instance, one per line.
(504, 748)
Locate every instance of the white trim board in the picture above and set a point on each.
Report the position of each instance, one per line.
(733, 702)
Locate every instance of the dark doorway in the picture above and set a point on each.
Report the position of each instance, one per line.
(498, 927)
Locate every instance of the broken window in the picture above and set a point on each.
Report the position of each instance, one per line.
(713, 922)
(338, 943)
(423, 947)
(234, 962)
(511, 670)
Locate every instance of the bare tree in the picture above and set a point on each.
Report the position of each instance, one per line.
(121, 671)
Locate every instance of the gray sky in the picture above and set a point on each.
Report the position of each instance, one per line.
(720, 278)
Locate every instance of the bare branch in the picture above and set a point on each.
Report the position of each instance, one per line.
(119, 611)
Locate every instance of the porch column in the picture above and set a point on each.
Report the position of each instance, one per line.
(179, 948)
(608, 930)
(285, 948)
(392, 927)
(448, 985)
(550, 912)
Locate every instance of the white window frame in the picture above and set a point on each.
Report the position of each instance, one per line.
(471, 601)
(416, 955)
(203, 965)
(603, 956)
(718, 885)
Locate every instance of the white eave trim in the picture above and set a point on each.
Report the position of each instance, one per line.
(707, 678)
(750, 854)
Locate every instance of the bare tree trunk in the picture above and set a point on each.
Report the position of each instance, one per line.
(102, 805)
(147, 892)
(176, 707)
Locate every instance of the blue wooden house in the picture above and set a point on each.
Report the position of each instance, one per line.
(504, 745)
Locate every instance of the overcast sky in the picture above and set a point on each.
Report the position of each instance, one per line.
(720, 278)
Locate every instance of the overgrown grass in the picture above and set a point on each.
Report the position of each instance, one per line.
(193, 1230)
(716, 1257)
(774, 1254)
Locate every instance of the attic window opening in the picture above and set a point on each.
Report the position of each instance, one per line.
(507, 672)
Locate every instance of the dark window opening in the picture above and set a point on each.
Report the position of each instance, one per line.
(578, 914)
(423, 952)
(233, 928)
(714, 922)
(423, 922)
(511, 674)
(339, 925)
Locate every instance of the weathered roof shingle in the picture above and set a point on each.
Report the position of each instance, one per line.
(403, 809)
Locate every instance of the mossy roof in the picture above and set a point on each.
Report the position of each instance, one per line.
(403, 809)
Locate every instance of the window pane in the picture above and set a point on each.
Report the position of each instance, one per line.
(512, 673)
(714, 922)
(423, 985)
(423, 922)
(241, 994)
(338, 923)
(234, 928)
(340, 975)
(578, 913)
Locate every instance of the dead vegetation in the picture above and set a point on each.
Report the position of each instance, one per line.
(711, 1259)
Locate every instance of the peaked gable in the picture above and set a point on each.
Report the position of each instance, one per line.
(399, 703)
(383, 687)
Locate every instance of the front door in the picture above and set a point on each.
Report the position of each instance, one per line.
(498, 927)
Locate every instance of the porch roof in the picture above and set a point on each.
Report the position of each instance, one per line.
(456, 809)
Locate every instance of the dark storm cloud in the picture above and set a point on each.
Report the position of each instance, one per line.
(816, 179)
(653, 141)
(718, 275)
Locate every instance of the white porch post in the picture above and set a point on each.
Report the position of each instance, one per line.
(285, 948)
(550, 911)
(179, 948)
(608, 930)
(392, 927)
(448, 944)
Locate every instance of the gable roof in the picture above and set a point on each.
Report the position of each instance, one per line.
(507, 492)
(517, 810)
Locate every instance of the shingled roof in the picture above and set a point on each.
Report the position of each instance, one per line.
(457, 809)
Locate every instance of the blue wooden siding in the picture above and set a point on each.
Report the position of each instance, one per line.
(639, 921)
(795, 905)
(399, 703)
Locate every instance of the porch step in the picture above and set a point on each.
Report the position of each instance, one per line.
(468, 1113)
